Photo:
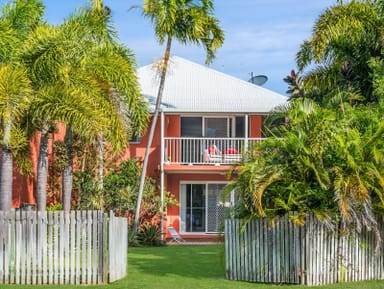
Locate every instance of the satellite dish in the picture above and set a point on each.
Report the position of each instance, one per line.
(258, 79)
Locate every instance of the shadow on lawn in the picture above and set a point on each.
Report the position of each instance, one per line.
(186, 261)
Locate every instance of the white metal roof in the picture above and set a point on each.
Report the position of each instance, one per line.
(191, 87)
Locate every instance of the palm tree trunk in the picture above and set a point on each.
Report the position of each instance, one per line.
(151, 133)
(6, 179)
(42, 171)
(67, 177)
(79, 187)
(6, 170)
(100, 164)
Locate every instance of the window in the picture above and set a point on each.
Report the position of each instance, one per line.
(191, 126)
(216, 127)
(240, 126)
(213, 126)
(135, 139)
(202, 209)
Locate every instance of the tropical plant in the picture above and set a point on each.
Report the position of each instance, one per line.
(324, 161)
(337, 55)
(112, 66)
(150, 235)
(189, 22)
(119, 192)
(17, 20)
(15, 91)
(86, 80)
(295, 85)
(132, 238)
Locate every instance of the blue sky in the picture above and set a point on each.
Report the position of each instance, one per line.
(262, 36)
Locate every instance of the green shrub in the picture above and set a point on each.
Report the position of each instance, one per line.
(119, 192)
(150, 235)
(132, 238)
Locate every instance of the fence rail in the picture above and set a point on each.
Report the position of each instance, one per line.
(280, 252)
(60, 248)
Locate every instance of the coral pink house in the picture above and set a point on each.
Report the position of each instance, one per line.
(208, 120)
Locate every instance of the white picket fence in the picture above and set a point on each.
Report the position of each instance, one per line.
(280, 252)
(117, 247)
(79, 247)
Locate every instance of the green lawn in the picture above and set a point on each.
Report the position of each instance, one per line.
(187, 267)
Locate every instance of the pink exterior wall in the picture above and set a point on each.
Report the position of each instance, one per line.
(172, 125)
(138, 151)
(24, 186)
(255, 125)
(172, 129)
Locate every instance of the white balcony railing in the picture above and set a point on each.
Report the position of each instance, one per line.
(205, 151)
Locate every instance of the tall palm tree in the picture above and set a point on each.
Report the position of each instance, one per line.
(17, 20)
(189, 22)
(15, 91)
(112, 67)
(87, 81)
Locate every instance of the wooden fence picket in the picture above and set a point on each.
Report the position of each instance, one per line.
(4, 245)
(77, 247)
(277, 251)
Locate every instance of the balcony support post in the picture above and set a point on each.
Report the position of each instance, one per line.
(246, 140)
(162, 153)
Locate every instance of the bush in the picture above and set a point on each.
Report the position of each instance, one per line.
(132, 238)
(150, 235)
(119, 192)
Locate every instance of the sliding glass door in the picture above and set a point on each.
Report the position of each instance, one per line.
(201, 208)
(193, 207)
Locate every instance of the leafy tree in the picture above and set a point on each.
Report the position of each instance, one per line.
(15, 93)
(17, 20)
(86, 80)
(189, 22)
(119, 192)
(337, 55)
(112, 67)
(324, 161)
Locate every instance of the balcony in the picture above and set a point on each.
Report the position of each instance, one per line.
(205, 151)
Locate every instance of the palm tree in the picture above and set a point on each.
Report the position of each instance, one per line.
(285, 172)
(111, 66)
(189, 22)
(324, 161)
(344, 40)
(15, 93)
(90, 86)
(17, 20)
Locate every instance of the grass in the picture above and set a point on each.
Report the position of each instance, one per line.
(187, 267)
